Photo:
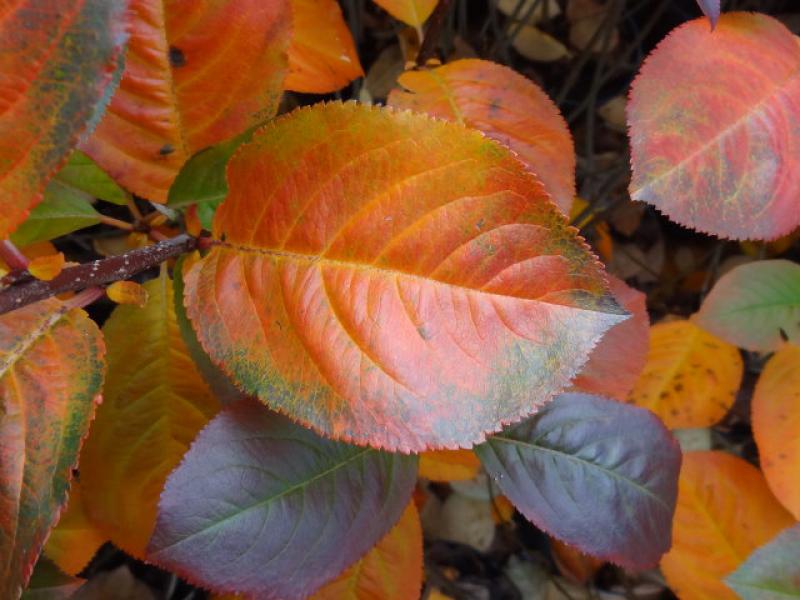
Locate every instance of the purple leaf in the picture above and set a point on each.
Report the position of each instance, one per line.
(710, 9)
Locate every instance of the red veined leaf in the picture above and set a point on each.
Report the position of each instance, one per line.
(51, 370)
(382, 272)
(322, 56)
(615, 364)
(776, 425)
(711, 9)
(57, 62)
(155, 402)
(713, 125)
(392, 570)
(196, 73)
(410, 12)
(262, 506)
(725, 511)
(772, 572)
(597, 474)
(507, 107)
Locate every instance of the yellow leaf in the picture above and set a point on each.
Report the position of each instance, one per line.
(776, 425)
(448, 465)
(31, 252)
(725, 511)
(74, 541)
(46, 267)
(127, 292)
(155, 402)
(410, 12)
(392, 570)
(690, 378)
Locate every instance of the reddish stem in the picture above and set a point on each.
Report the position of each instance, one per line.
(15, 259)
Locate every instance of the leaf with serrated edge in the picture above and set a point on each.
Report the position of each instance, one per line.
(56, 73)
(392, 570)
(772, 572)
(507, 107)
(155, 402)
(262, 506)
(714, 121)
(776, 425)
(755, 305)
(690, 378)
(382, 271)
(51, 371)
(322, 55)
(74, 541)
(196, 74)
(725, 511)
(616, 362)
(597, 474)
(410, 12)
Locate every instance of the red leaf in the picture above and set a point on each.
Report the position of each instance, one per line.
(383, 272)
(713, 126)
(57, 61)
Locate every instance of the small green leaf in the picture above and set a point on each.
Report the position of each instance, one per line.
(82, 174)
(63, 210)
(772, 572)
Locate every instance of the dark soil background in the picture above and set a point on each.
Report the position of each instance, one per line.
(673, 265)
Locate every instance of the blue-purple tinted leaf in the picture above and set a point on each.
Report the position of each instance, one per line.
(597, 474)
(263, 506)
(772, 572)
(710, 9)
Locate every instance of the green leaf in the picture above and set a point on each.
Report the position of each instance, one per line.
(267, 508)
(63, 210)
(773, 571)
(49, 583)
(755, 306)
(597, 474)
(82, 174)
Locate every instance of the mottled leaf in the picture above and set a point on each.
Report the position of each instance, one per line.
(597, 474)
(61, 211)
(74, 541)
(373, 298)
(155, 402)
(49, 583)
(196, 73)
(615, 364)
(392, 570)
(755, 306)
(776, 425)
(715, 127)
(690, 378)
(507, 107)
(322, 55)
(51, 371)
(410, 12)
(448, 465)
(56, 73)
(262, 506)
(711, 9)
(725, 511)
(772, 572)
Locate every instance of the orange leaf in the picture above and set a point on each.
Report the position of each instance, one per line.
(74, 541)
(322, 56)
(725, 511)
(392, 570)
(448, 465)
(155, 403)
(690, 378)
(410, 12)
(393, 280)
(196, 73)
(46, 267)
(33, 251)
(776, 425)
(51, 371)
(504, 105)
(57, 61)
(713, 126)
(615, 364)
(127, 292)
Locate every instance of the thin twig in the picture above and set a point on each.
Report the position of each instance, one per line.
(14, 259)
(434, 32)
